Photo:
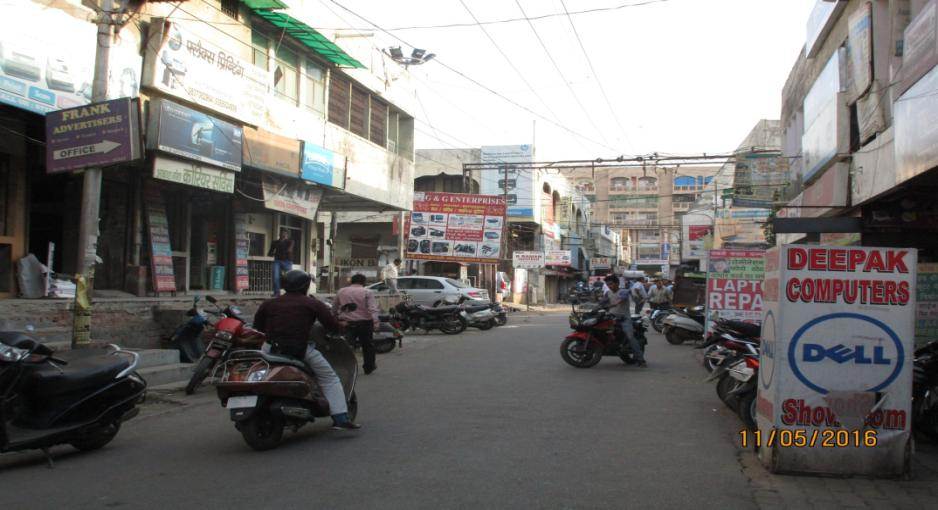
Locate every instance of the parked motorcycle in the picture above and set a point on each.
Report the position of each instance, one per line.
(597, 334)
(385, 338)
(79, 397)
(683, 325)
(230, 332)
(734, 355)
(477, 314)
(188, 337)
(413, 317)
(266, 393)
(925, 391)
(657, 317)
(501, 315)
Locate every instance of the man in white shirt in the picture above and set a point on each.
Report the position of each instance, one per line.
(658, 295)
(390, 275)
(639, 294)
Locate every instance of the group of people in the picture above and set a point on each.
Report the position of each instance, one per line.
(657, 293)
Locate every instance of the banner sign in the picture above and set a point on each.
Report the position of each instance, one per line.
(527, 259)
(242, 279)
(560, 258)
(919, 47)
(836, 359)
(98, 134)
(291, 197)
(274, 153)
(759, 177)
(161, 253)
(456, 227)
(194, 135)
(514, 183)
(697, 236)
(184, 65)
(323, 166)
(734, 285)
(600, 263)
(859, 45)
(193, 174)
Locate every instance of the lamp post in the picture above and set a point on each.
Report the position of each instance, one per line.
(417, 56)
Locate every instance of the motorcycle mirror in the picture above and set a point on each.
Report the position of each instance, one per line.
(211, 299)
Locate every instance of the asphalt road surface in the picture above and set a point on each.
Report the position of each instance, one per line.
(481, 420)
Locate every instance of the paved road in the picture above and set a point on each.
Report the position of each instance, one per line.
(482, 420)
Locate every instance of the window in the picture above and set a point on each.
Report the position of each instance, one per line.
(393, 120)
(286, 77)
(358, 114)
(456, 283)
(257, 244)
(430, 284)
(230, 7)
(339, 92)
(315, 83)
(379, 122)
(405, 283)
(260, 43)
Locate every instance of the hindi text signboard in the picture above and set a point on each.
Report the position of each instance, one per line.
(291, 197)
(193, 174)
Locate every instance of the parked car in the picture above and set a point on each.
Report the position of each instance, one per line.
(432, 290)
(440, 247)
(425, 246)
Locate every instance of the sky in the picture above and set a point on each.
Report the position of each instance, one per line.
(681, 76)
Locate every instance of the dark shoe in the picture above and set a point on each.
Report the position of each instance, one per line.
(370, 370)
(349, 425)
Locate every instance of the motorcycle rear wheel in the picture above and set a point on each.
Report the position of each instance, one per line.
(199, 374)
(501, 321)
(384, 346)
(673, 337)
(725, 385)
(487, 325)
(453, 326)
(747, 410)
(585, 357)
(97, 437)
(263, 431)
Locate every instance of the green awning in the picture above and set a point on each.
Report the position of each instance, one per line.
(265, 4)
(306, 35)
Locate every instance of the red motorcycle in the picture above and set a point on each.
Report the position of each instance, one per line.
(229, 333)
(597, 334)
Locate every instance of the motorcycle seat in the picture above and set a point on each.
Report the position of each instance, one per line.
(86, 368)
(278, 359)
(440, 309)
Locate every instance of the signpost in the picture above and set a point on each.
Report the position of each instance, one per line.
(835, 375)
(98, 134)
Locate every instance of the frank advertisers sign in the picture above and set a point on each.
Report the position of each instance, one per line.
(98, 134)
(835, 375)
(734, 285)
(456, 227)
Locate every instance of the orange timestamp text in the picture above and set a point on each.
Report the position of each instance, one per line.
(803, 438)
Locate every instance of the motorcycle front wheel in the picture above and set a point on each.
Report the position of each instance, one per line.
(579, 353)
(673, 337)
(658, 322)
(747, 410)
(453, 326)
(263, 431)
(97, 437)
(725, 385)
(199, 374)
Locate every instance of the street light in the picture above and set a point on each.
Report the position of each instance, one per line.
(417, 57)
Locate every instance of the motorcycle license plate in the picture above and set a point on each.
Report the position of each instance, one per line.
(242, 402)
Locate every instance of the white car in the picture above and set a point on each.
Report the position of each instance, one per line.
(432, 290)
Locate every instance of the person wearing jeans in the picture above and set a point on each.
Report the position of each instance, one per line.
(363, 320)
(282, 251)
(617, 301)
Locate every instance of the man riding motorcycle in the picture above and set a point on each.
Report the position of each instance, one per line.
(617, 302)
(287, 320)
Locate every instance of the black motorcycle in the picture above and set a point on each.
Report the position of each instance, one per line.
(79, 397)
(410, 316)
(925, 391)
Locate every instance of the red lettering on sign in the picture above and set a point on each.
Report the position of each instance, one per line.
(838, 260)
(875, 262)
(896, 261)
(817, 260)
(797, 258)
(856, 258)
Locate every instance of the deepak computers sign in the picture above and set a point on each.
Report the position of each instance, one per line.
(835, 375)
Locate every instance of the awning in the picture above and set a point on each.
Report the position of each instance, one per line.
(304, 33)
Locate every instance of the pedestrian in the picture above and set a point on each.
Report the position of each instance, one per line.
(658, 295)
(390, 275)
(617, 302)
(363, 321)
(639, 294)
(282, 252)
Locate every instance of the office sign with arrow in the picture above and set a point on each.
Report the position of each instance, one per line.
(97, 134)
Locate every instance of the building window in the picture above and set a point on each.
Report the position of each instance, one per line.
(393, 138)
(339, 92)
(260, 43)
(315, 93)
(359, 114)
(257, 244)
(286, 77)
(230, 7)
(379, 122)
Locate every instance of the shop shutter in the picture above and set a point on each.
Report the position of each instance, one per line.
(379, 122)
(359, 112)
(339, 100)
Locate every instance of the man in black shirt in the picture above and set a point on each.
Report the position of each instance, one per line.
(282, 252)
(287, 321)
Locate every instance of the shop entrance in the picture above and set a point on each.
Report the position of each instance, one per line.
(209, 242)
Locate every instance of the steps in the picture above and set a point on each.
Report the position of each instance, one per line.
(162, 366)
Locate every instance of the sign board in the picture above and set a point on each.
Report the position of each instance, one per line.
(824, 120)
(859, 61)
(456, 227)
(98, 134)
(559, 258)
(919, 47)
(836, 359)
(517, 184)
(273, 153)
(734, 285)
(51, 69)
(161, 253)
(926, 311)
(820, 23)
(322, 166)
(182, 64)
(185, 132)
(291, 197)
(601, 263)
(696, 240)
(916, 132)
(528, 259)
(758, 179)
(193, 174)
(242, 280)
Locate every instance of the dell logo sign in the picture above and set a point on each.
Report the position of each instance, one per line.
(843, 354)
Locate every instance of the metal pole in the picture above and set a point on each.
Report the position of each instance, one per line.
(333, 232)
(91, 191)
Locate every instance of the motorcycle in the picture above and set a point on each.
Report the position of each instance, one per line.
(265, 393)
(657, 317)
(683, 325)
(736, 366)
(413, 317)
(79, 397)
(597, 334)
(477, 314)
(385, 338)
(230, 332)
(188, 337)
(501, 315)
(925, 391)
(715, 347)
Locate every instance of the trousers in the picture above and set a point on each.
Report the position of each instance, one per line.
(629, 331)
(326, 377)
(363, 331)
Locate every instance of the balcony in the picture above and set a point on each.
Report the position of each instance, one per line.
(634, 222)
(629, 190)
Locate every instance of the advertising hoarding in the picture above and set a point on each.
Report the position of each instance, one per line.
(456, 227)
(273, 153)
(824, 120)
(559, 258)
(734, 285)
(859, 61)
(601, 263)
(759, 179)
(192, 134)
(915, 128)
(919, 47)
(323, 166)
(836, 359)
(193, 174)
(52, 68)
(516, 183)
(820, 22)
(291, 197)
(161, 252)
(926, 298)
(182, 64)
(98, 134)
(528, 259)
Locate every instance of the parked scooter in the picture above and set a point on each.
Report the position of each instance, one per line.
(683, 325)
(413, 317)
(501, 315)
(79, 397)
(188, 337)
(657, 317)
(477, 314)
(734, 354)
(385, 338)
(266, 393)
(597, 334)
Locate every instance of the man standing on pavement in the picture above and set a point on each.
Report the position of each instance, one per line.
(363, 321)
(390, 275)
(282, 252)
(617, 301)
(658, 295)
(639, 294)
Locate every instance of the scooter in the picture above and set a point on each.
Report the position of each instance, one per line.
(265, 393)
(657, 317)
(683, 325)
(477, 315)
(79, 397)
(188, 337)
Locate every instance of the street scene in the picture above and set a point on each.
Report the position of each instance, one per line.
(466, 254)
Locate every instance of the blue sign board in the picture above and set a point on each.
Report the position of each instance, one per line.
(320, 166)
(192, 134)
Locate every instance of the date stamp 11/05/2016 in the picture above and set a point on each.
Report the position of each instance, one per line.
(803, 438)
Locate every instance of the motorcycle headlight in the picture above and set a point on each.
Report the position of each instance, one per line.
(223, 335)
(258, 375)
(10, 354)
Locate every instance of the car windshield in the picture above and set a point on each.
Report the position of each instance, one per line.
(457, 284)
